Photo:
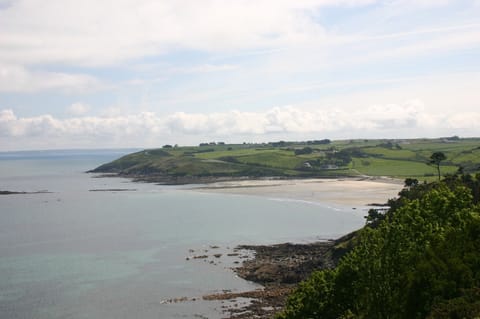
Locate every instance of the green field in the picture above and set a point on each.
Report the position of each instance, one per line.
(397, 168)
(393, 158)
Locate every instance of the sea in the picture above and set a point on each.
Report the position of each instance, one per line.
(84, 246)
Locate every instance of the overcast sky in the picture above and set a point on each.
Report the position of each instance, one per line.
(143, 73)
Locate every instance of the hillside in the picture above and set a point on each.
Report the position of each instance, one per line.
(322, 158)
(419, 259)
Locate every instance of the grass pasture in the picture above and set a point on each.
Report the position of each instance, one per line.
(397, 168)
(277, 159)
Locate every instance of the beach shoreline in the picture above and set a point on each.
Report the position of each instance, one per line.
(358, 191)
(354, 192)
(280, 267)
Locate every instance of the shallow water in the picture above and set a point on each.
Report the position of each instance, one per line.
(74, 253)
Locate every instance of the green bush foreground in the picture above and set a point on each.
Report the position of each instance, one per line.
(420, 259)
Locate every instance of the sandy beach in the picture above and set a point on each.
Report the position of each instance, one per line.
(350, 192)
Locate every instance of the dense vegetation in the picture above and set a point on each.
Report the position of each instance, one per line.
(318, 158)
(420, 259)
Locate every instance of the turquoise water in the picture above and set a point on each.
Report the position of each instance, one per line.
(73, 253)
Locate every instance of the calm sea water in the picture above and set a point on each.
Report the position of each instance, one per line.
(74, 253)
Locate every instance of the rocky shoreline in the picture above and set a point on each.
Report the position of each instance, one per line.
(286, 263)
(278, 268)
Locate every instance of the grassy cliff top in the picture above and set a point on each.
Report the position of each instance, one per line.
(323, 158)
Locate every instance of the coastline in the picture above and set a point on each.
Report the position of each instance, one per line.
(280, 267)
(345, 191)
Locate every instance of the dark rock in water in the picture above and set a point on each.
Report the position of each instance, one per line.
(10, 193)
(22, 193)
(114, 190)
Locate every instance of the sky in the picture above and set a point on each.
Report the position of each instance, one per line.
(144, 73)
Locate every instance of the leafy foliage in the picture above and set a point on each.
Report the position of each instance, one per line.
(420, 260)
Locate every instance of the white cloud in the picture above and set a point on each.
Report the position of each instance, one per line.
(467, 120)
(445, 42)
(78, 109)
(149, 129)
(107, 32)
(15, 78)
(358, 50)
(5, 3)
(440, 93)
(40, 126)
(290, 33)
(205, 68)
(420, 3)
